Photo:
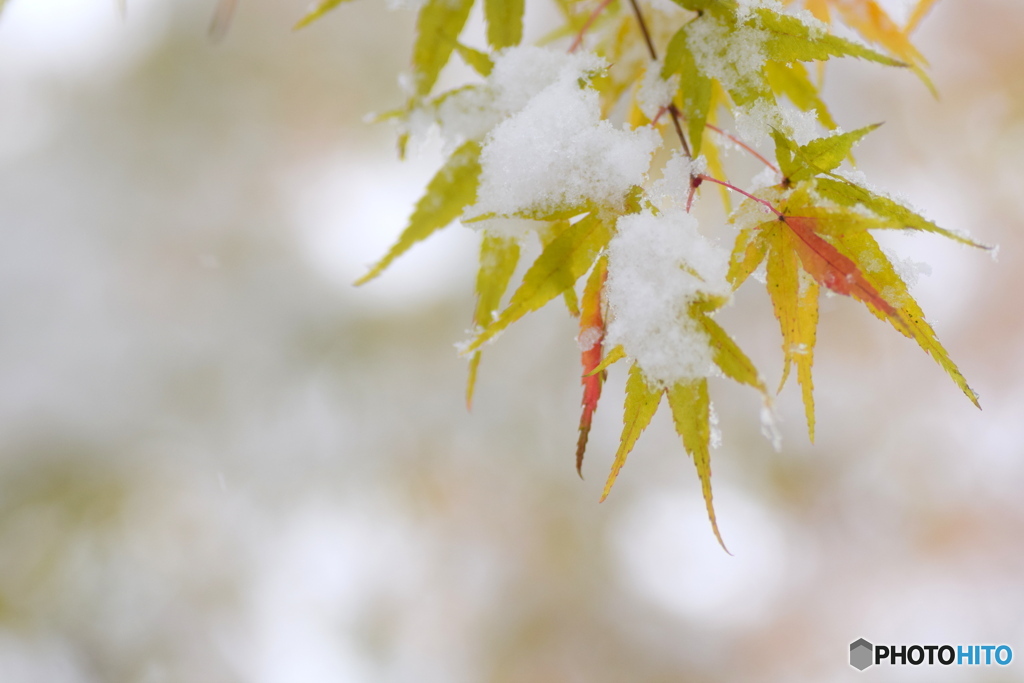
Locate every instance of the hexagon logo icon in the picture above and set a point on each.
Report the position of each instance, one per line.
(861, 652)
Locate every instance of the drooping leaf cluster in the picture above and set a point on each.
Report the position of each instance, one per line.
(630, 78)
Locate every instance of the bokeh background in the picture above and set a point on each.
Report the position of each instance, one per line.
(221, 462)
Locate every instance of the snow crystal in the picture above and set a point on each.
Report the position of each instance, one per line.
(557, 150)
(655, 93)
(657, 265)
(733, 56)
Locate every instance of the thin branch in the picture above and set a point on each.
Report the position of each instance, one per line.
(744, 146)
(643, 29)
(586, 26)
(746, 194)
(654, 57)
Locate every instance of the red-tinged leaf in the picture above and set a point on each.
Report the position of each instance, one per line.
(795, 301)
(641, 403)
(830, 268)
(691, 412)
(909, 318)
(591, 345)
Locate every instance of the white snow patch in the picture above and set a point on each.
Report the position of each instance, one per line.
(556, 151)
(754, 123)
(589, 337)
(657, 265)
(673, 188)
(656, 93)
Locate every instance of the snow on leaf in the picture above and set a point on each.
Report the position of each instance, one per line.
(590, 338)
(319, 10)
(790, 39)
(450, 191)
(641, 403)
(437, 31)
(894, 214)
(562, 262)
(822, 155)
(504, 22)
(793, 81)
(498, 259)
(691, 412)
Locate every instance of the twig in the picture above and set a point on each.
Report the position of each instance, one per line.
(744, 146)
(586, 26)
(732, 187)
(654, 57)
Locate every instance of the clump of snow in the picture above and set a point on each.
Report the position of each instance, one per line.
(588, 337)
(466, 114)
(556, 151)
(657, 266)
(733, 56)
(655, 92)
(673, 188)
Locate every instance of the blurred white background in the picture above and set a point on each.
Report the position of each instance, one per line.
(221, 462)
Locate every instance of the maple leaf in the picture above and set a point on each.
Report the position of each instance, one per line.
(591, 340)
(874, 25)
(820, 239)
